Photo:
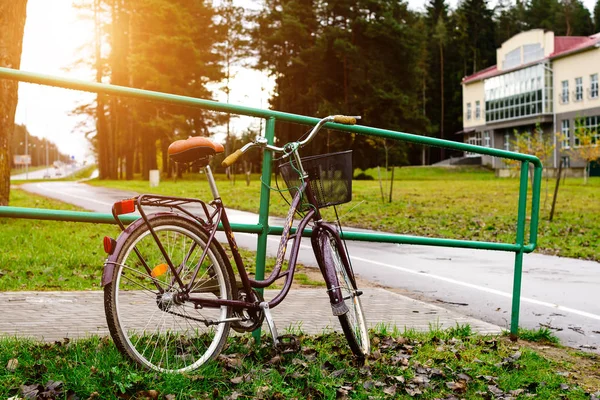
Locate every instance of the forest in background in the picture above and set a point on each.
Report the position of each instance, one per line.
(398, 68)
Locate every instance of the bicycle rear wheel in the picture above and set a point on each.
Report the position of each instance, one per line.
(353, 322)
(153, 326)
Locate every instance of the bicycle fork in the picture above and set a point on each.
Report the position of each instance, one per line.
(336, 298)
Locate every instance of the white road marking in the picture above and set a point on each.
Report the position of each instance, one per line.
(482, 288)
(407, 270)
(41, 186)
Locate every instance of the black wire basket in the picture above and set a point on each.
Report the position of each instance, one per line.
(330, 178)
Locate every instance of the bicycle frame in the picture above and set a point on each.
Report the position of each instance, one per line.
(210, 222)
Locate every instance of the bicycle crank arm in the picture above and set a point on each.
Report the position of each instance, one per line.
(205, 321)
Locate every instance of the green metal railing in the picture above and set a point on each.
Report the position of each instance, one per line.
(262, 228)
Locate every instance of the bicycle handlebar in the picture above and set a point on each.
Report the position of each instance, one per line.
(262, 142)
(232, 158)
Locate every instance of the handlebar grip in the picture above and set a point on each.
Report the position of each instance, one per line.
(343, 119)
(232, 158)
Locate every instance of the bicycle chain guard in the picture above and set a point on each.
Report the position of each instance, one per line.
(252, 319)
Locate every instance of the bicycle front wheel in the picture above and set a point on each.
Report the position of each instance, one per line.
(147, 319)
(353, 322)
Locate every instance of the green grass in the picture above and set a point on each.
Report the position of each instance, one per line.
(437, 364)
(541, 335)
(50, 255)
(452, 203)
(54, 255)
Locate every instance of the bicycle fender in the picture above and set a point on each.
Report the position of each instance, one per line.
(338, 306)
(109, 264)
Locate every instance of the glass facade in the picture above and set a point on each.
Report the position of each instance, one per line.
(477, 109)
(468, 111)
(523, 93)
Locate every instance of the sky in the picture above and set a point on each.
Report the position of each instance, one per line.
(55, 39)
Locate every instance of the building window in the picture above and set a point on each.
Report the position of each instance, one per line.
(468, 111)
(487, 139)
(578, 89)
(522, 93)
(477, 109)
(594, 86)
(566, 134)
(532, 52)
(512, 59)
(474, 139)
(507, 142)
(591, 124)
(564, 98)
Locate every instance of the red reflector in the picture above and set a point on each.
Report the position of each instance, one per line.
(125, 206)
(109, 244)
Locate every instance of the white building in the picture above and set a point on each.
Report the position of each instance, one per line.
(539, 79)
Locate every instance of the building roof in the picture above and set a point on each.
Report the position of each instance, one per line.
(563, 46)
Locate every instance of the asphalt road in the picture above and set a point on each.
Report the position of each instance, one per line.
(560, 293)
(46, 173)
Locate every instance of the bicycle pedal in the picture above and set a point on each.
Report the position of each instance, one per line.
(288, 344)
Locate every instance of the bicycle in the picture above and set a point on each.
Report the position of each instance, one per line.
(170, 293)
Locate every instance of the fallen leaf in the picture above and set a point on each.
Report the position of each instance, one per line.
(337, 373)
(275, 360)
(30, 391)
(390, 390)
(495, 390)
(237, 380)
(12, 364)
(412, 391)
(171, 397)
(458, 387)
(368, 385)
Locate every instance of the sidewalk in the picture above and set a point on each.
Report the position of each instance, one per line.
(51, 316)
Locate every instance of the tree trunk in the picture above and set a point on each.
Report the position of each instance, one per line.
(12, 21)
(101, 125)
(443, 150)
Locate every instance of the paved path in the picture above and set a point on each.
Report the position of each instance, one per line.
(558, 292)
(53, 316)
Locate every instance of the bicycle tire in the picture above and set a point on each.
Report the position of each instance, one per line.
(353, 322)
(153, 329)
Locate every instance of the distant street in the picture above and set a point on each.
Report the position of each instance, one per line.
(46, 173)
(559, 293)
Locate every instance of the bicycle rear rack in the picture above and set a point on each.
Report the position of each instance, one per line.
(172, 203)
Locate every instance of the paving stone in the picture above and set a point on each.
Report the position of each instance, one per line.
(51, 316)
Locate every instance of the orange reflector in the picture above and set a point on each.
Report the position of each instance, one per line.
(125, 206)
(159, 270)
(109, 244)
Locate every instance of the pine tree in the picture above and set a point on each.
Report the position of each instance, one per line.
(597, 17)
(510, 20)
(12, 21)
(542, 14)
(574, 19)
(479, 30)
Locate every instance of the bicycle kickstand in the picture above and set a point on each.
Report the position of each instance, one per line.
(284, 343)
(270, 322)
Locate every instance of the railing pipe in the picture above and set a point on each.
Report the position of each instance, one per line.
(262, 228)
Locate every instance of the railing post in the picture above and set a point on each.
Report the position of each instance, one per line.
(516, 297)
(263, 213)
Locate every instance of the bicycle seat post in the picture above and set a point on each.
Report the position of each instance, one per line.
(211, 182)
